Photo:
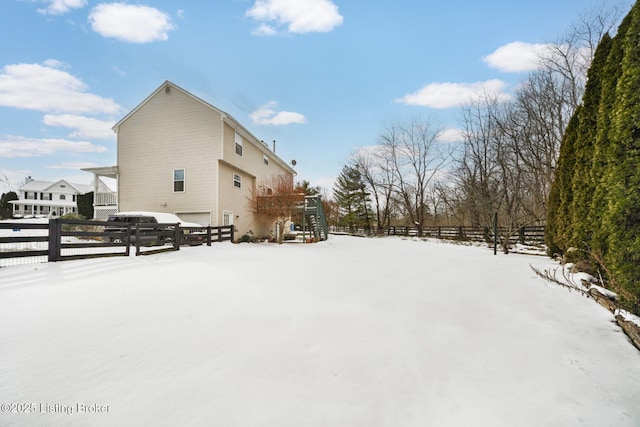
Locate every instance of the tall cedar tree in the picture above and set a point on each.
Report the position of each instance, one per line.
(582, 187)
(560, 195)
(622, 219)
(602, 153)
(605, 209)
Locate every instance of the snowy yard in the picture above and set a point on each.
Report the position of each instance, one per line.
(347, 332)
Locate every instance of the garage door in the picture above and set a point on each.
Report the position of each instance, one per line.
(202, 218)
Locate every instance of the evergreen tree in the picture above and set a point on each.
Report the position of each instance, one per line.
(582, 187)
(352, 198)
(560, 195)
(85, 205)
(598, 171)
(306, 188)
(621, 221)
(602, 146)
(6, 208)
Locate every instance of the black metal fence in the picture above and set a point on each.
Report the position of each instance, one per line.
(65, 239)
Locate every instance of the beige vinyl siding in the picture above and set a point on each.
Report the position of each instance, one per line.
(236, 200)
(171, 130)
(252, 170)
(252, 156)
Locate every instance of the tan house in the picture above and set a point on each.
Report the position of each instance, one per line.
(181, 155)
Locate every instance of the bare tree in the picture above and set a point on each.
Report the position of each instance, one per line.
(375, 171)
(275, 200)
(571, 54)
(477, 172)
(415, 158)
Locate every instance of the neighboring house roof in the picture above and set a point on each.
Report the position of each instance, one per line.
(255, 141)
(47, 186)
(36, 186)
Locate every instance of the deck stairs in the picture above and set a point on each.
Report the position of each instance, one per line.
(314, 217)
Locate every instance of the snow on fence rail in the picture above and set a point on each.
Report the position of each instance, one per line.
(64, 239)
(530, 235)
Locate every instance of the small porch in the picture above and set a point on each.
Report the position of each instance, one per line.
(29, 208)
(105, 200)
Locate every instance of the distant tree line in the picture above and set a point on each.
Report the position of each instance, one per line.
(594, 204)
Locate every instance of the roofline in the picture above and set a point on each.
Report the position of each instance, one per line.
(154, 93)
(254, 140)
(66, 182)
(106, 171)
(263, 147)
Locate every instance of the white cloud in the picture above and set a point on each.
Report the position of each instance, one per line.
(446, 95)
(54, 63)
(266, 115)
(85, 127)
(265, 30)
(119, 72)
(451, 135)
(130, 23)
(518, 57)
(42, 88)
(73, 165)
(18, 146)
(298, 16)
(60, 7)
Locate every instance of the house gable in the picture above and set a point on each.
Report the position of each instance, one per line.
(176, 154)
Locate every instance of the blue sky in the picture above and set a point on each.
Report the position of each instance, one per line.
(321, 77)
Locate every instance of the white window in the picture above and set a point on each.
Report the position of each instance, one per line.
(178, 180)
(237, 180)
(227, 218)
(238, 140)
(265, 159)
(63, 197)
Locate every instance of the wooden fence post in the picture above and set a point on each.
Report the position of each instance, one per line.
(177, 236)
(495, 233)
(137, 234)
(54, 240)
(209, 235)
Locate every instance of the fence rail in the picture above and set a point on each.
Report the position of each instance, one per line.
(64, 239)
(530, 235)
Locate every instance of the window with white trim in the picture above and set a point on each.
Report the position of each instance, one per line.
(237, 180)
(238, 141)
(178, 180)
(227, 218)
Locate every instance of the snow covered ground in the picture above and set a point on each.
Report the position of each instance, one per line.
(348, 332)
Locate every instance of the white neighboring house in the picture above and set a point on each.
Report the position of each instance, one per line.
(52, 199)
